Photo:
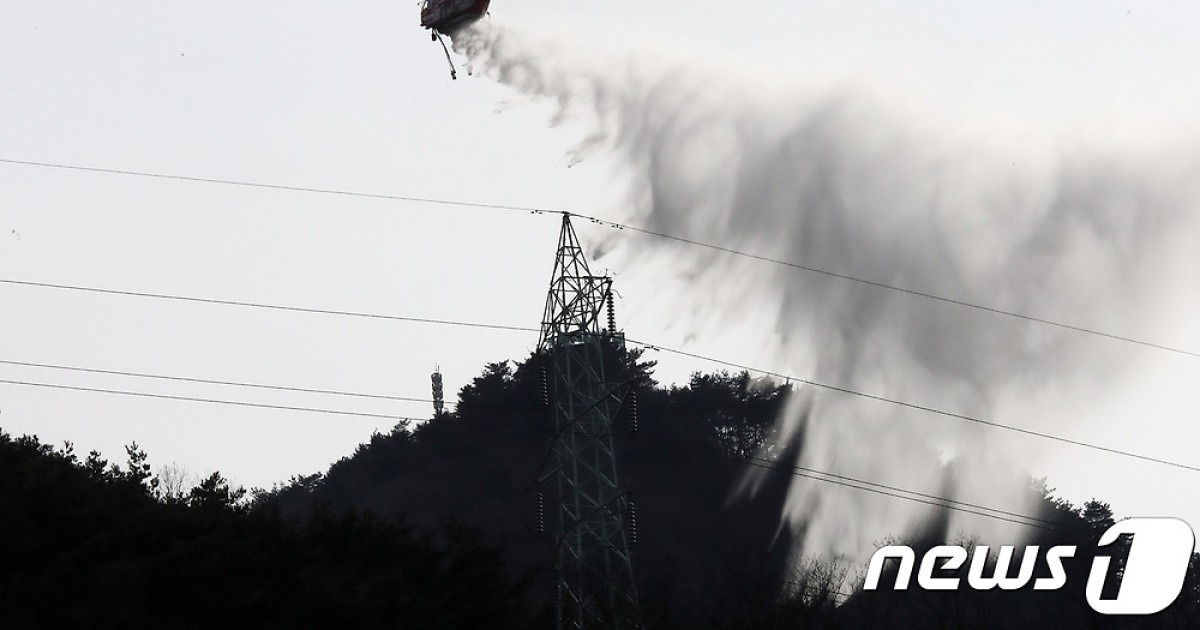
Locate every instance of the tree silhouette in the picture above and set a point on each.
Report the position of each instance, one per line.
(433, 525)
(88, 544)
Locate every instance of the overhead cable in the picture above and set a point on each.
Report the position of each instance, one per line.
(648, 345)
(620, 226)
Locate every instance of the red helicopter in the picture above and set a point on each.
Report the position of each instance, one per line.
(445, 17)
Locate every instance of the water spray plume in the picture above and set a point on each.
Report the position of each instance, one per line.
(829, 179)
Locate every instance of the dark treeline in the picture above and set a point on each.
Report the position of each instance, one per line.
(479, 465)
(707, 555)
(86, 544)
(434, 526)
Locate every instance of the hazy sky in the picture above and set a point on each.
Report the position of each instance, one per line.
(354, 96)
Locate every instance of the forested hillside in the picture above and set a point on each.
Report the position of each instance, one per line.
(86, 544)
(434, 526)
(707, 556)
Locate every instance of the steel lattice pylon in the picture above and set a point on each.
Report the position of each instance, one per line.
(595, 575)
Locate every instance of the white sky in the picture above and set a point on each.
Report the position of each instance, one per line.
(354, 96)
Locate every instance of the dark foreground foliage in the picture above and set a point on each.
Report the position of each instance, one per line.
(366, 544)
(87, 545)
(708, 556)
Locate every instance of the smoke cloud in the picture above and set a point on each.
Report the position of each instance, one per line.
(830, 179)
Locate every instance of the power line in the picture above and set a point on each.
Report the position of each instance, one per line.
(798, 471)
(753, 461)
(217, 401)
(619, 226)
(304, 189)
(917, 407)
(758, 462)
(867, 486)
(187, 379)
(883, 285)
(279, 307)
(652, 346)
(777, 466)
(846, 481)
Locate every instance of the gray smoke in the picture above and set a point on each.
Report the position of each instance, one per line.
(830, 180)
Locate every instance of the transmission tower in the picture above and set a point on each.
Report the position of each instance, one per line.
(595, 576)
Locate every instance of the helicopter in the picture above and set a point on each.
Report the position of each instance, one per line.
(445, 17)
